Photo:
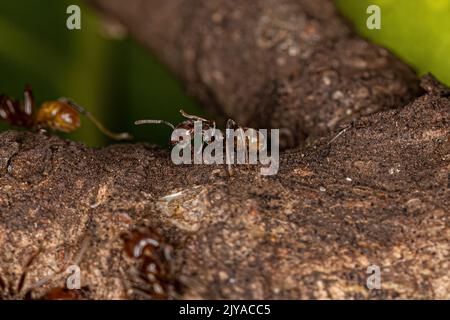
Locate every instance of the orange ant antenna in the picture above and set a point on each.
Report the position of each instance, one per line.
(98, 124)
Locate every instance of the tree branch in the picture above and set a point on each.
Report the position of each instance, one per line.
(378, 194)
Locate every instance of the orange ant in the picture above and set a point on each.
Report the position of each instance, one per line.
(59, 115)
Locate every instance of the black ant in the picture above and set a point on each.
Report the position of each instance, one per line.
(153, 277)
(254, 143)
(59, 115)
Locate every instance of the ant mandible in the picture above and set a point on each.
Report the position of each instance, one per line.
(59, 115)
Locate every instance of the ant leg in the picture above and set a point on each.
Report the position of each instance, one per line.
(29, 103)
(229, 166)
(231, 124)
(11, 112)
(140, 122)
(342, 132)
(4, 109)
(98, 124)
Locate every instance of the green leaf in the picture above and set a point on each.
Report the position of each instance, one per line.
(418, 31)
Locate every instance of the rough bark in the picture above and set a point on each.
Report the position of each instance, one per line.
(288, 64)
(378, 194)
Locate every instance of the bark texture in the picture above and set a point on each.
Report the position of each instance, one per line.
(378, 194)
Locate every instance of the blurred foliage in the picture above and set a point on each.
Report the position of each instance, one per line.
(117, 80)
(416, 30)
(120, 82)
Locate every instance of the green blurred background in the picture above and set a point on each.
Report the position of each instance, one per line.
(119, 81)
(418, 31)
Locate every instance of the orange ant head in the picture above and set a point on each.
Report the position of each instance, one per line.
(59, 116)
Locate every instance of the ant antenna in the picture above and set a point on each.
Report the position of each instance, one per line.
(340, 133)
(140, 122)
(98, 124)
(188, 116)
(197, 118)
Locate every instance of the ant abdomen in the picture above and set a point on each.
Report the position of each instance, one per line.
(17, 113)
(58, 116)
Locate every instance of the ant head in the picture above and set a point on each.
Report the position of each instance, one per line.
(58, 116)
